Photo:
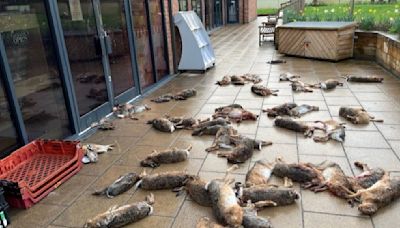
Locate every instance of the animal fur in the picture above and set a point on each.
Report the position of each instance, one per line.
(299, 86)
(328, 84)
(333, 130)
(251, 220)
(263, 91)
(381, 194)
(226, 80)
(301, 110)
(119, 216)
(235, 113)
(288, 77)
(259, 174)
(223, 139)
(280, 110)
(162, 124)
(119, 186)
(296, 126)
(166, 157)
(244, 149)
(297, 172)
(163, 98)
(367, 79)
(185, 94)
(196, 189)
(267, 196)
(367, 178)
(166, 180)
(205, 222)
(357, 115)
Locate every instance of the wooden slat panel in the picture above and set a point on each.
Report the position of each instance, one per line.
(291, 41)
(322, 44)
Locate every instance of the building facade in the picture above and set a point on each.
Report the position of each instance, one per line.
(64, 64)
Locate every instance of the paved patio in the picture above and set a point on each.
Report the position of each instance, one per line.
(237, 50)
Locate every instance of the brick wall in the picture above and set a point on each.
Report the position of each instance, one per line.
(249, 11)
(379, 47)
(175, 9)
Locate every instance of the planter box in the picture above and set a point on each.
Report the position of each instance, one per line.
(321, 40)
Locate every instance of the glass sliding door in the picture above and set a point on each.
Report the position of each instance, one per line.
(233, 11)
(8, 133)
(84, 53)
(142, 42)
(114, 23)
(30, 52)
(159, 39)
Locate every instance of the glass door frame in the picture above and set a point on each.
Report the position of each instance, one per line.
(237, 11)
(15, 110)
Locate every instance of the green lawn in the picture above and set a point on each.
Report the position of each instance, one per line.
(267, 11)
(384, 17)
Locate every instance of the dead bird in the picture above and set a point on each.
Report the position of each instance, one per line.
(277, 61)
(119, 186)
(119, 216)
(297, 172)
(334, 180)
(299, 86)
(301, 110)
(185, 94)
(223, 138)
(226, 80)
(166, 180)
(234, 113)
(297, 126)
(196, 188)
(367, 178)
(328, 84)
(205, 222)
(263, 90)
(267, 195)
(381, 194)
(162, 124)
(163, 98)
(166, 157)
(259, 174)
(251, 220)
(288, 77)
(366, 79)
(224, 202)
(357, 115)
(280, 110)
(333, 130)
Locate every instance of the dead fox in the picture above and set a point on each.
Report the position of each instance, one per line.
(357, 115)
(119, 186)
(119, 216)
(165, 157)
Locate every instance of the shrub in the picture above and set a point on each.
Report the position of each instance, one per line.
(395, 26)
(367, 22)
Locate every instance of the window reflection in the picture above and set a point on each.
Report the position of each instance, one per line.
(158, 38)
(30, 53)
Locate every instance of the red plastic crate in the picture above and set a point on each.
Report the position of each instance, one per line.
(41, 166)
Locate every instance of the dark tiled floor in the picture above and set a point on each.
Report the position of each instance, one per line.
(238, 52)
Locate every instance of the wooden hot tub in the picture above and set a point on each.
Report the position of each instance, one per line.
(321, 40)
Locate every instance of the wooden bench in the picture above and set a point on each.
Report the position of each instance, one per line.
(264, 31)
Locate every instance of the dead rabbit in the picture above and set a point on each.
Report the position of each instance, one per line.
(223, 139)
(333, 130)
(299, 86)
(367, 178)
(366, 79)
(252, 220)
(357, 115)
(224, 202)
(328, 84)
(280, 110)
(297, 126)
(166, 180)
(263, 91)
(205, 222)
(288, 77)
(162, 124)
(234, 113)
(381, 194)
(119, 186)
(119, 216)
(259, 174)
(173, 155)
